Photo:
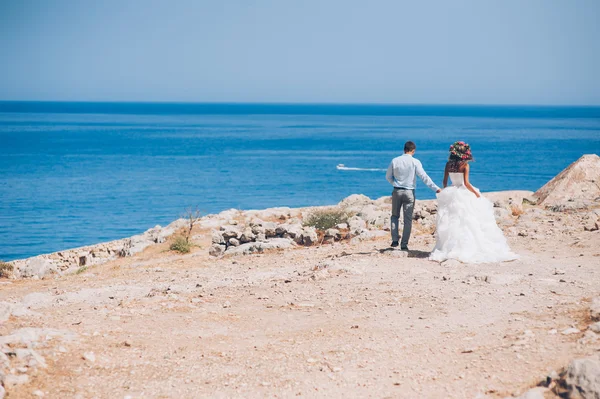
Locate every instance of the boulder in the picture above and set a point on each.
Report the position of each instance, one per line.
(229, 231)
(309, 236)
(36, 266)
(356, 224)
(375, 216)
(270, 229)
(575, 187)
(247, 236)
(234, 242)
(217, 237)
(216, 250)
(582, 378)
(355, 200)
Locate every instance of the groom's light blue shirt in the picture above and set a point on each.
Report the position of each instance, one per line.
(403, 172)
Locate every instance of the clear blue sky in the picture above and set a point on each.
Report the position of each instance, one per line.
(343, 51)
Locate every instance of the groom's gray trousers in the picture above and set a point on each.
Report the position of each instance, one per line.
(405, 199)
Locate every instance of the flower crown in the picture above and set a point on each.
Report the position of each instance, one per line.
(461, 150)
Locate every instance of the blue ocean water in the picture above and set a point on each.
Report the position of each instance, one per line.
(74, 174)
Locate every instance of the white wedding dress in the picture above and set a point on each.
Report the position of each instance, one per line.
(466, 227)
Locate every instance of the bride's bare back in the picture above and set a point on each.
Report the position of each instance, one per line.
(459, 167)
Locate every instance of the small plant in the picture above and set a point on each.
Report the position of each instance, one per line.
(81, 269)
(6, 269)
(323, 219)
(181, 244)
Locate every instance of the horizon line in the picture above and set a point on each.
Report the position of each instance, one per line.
(380, 104)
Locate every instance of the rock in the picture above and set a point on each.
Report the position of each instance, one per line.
(451, 263)
(270, 229)
(89, 356)
(595, 327)
(342, 226)
(355, 200)
(582, 378)
(8, 309)
(217, 237)
(595, 309)
(247, 236)
(570, 331)
(12, 380)
(356, 224)
(216, 250)
(230, 232)
(37, 300)
(258, 247)
(335, 233)
(309, 236)
(501, 214)
(589, 337)
(591, 225)
(258, 228)
(28, 336)
(575, 187)
(37, 266)
(502, 279)
(38, 393)
(289, 230)
(535, 393)
(375, 216)
(234, 242)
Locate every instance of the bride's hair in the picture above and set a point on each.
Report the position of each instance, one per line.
(460, 152)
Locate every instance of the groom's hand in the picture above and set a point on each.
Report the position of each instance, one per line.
(439, 190)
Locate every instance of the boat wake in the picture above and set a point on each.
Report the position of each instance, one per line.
(344, 167)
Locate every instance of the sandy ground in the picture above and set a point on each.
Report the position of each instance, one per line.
(338, 320)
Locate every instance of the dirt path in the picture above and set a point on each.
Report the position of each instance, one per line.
(331, 321)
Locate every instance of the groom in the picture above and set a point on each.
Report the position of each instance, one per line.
(402, 174)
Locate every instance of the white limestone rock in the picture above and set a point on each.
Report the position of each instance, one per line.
(575, 187)
(216, 250)
(37, 266)
(582, 378)
(258, 247)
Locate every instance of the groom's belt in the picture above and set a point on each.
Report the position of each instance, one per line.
(402, 188)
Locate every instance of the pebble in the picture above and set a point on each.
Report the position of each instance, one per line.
(595, 327)
(570, 331)
(89, 356)
(39, 393)
(227, 305)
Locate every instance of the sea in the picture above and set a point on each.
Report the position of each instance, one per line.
(75, 173)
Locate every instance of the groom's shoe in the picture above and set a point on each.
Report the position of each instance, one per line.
(404, 248)
(394, 244)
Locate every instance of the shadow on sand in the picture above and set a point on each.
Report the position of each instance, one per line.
(411, 253)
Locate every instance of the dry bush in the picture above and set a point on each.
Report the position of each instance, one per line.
(192, 215)
(323, 219)
(6, 269)
(516, 210)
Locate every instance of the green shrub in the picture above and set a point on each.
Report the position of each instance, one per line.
(81, 269)
(6, 269)
(323, 219)
(180, 244)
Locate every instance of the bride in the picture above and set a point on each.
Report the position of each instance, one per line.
(466, 227)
